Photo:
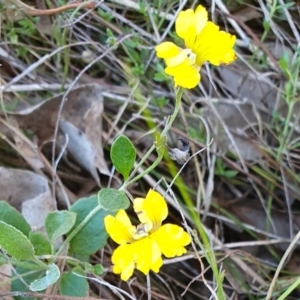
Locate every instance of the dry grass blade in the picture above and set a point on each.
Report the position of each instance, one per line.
(69, 90)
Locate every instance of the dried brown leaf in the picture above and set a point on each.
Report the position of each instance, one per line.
(237, 127)
(29, 193)
(248, 86)
(80, 121)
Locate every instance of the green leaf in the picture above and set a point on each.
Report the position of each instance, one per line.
(113, 200)
(99, 270)
(230, 173)
(11, 216)
(81, 257)
(96, 269)
(130, 43)
(159, 77)
(59, 223)
(73, 285)
(18, 285)
(161, 101)
(123, 155)
(40, 243)
(93, 235)
(15, 243)
(52, 275)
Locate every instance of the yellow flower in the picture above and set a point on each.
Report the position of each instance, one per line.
(203, 41)
(142, 246)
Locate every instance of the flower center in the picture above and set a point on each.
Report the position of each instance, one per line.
(190, 55)
(141, 231)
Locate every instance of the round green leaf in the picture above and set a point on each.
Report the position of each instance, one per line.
(52, 275)
(123, 155)
(113, 200)
(40, 243)
(15, 243)
(11, 216)
(73, 285)
(99, 270)
(93, 235)
(59, 223)
(96, 269)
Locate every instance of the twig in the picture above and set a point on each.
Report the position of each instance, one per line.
(134, 5)
(46, 296)
(148, 286)
(31, 11)
(284, 257)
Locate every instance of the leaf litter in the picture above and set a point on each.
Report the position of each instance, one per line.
(252, 216)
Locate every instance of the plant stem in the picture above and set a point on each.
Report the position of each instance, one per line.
(77, 229)
(167, 128)
(148, 170)
(175, 112)
(139, 165)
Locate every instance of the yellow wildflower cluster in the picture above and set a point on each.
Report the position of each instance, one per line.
(204, 42)
(142, 246)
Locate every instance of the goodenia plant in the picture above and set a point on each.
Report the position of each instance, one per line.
(204, 42)
(142, 246)
(85, 227)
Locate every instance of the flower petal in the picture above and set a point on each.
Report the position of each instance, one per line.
(157, 261)
(122, 217)
(185, 74)
(171, 240)
(147, 255)
(167, 50)
(188, 83)
(177, 60)
(152, 210)
(201, 18)
(123, 261)
(214, 46)
(144, 255)
(189, 24)
(119, 228)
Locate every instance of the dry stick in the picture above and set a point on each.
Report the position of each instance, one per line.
(233, 23)
(136, 6)
(234, 20)
(184, 219)
(46, 296)
(43, 159)
(64, 99)
(31, 11)
(291, 22)
(258, 42)
(172, 21)
(121, 18)
(220, 245)
(288, 201)
(238, 245)
(110, 286)
(44, 58)
(148, 287)
(268, 17)
(236, 260)
(197, 253)
(193, 244)
(284, 257)
(73, 20)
